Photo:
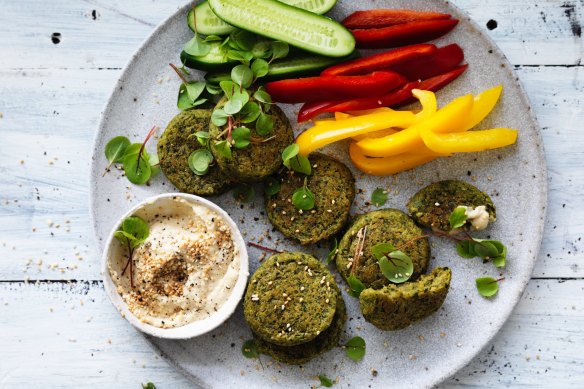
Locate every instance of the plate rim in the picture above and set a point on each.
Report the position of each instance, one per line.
(524, 279)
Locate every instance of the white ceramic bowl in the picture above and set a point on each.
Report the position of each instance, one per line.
(196, 328)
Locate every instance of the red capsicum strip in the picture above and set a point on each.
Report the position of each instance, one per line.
(378, 18)
(403, 34)
(333, 87)
(380, 61)
(442, 61)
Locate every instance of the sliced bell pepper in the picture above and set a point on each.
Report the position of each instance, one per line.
(388, 165)
(483, 105)
(329, 132)
(442, 61)
(377, 18)
(403, 34)
(429, 104)
(313, 109)
(467, 142)
(376, 134)
(452, 116)
(380, 61)
(302, 90)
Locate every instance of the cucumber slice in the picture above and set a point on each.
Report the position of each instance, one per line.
(295, 26)
(209, 24)
(215, 60)
(302, 66)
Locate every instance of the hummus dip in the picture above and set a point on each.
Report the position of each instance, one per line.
(184, 271)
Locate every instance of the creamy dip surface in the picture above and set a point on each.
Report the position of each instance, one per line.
(184, 271)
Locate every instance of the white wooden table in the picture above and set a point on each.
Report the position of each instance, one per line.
(59, 60)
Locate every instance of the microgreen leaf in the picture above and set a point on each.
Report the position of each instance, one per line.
(202, 137)
(355, 348)
(262, 49)
(219, 117)
(380, 250)
(249, 349)
(148, 385)
(228, 88)
(325, 381)
(194, 89)
(197, 47)
(154, 164)
(457, 218)
(487, 286)
(243, 40)
(465, 249)
(244, 193)
(262, 96)
(355, 285)
(233, 106)
(223, 148)
(485, 249)
(199, 161)
(279, 50)
(379, 197)
(271, 186)
(501, 259)
(299, 164)
(264, 124)
(213, 38)
(395, 265)
(115, 149)
(250, 112)
(213, 89)
(242, 75)
(124, 238)
(259, 67)
(331, 255)
(290, 152)
(241, 56)
(136, 227)
(241, 137)
(303, 199)
(137, 169)
(183, 102)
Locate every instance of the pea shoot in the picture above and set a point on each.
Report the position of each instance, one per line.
(132, 233)
(488, 286)
(139, 166)
(355, 348)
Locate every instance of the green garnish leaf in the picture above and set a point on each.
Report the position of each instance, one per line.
(355, 348)
(395, 265)
(183, 101)
(271, 186)
(228, 88)
(264, 124)
(250, 112)
(124, 238)
(194, 89)
(199, 161)
(115, 149)
(154, 164)
(223, 148)
(259, 67)
(290, 152)
(250, 350)
(303, 198)
(325, 381)
(242, 40)
(137, 169)
(219, 117)
(213, 38)
(262, 96)
(465, 249)
(136, 227)
(379, 197)
(485, 249)
(197, 47)
(242, 75)
(355, 285)
(244, 193)
(213, 89)
(148, 385)
(299, 164)
(241, 137)
(457, 218)
(203, 137)
(331, 255)
(241, 56)
(380, 250)
(236, 101)
(262, 49)
(487, 286)
(279, 50)
(501, 259)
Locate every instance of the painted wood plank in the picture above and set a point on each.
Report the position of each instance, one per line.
(104, 33)
(64, 116)
(64, 335)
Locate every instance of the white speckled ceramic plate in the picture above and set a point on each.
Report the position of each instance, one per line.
(419, 356)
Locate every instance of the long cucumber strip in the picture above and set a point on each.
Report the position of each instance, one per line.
(279, 21)
(209, 24)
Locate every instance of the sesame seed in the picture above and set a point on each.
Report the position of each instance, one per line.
(437, 204)
(301, 299)
(333, 201)
(326, 301)
(284, 294)
(283, 307)
(329, 210)
(302, 288)
(297, 231)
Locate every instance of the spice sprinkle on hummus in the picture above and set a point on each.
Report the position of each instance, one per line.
(184, 271)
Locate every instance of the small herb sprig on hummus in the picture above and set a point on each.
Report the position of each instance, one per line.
(132, 233)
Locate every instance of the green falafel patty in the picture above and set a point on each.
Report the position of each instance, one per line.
(354, 253)
(291, 299)
(302, 353)
(333, 186)
(263, 156)
(397, 306)
(174, 147)
(432, 205)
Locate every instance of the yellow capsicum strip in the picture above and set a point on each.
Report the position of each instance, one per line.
(386, 166)
(452, 116)
(484, 103)
(329, 132)
(470, 141)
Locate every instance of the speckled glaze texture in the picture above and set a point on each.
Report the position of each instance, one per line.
(419, 356)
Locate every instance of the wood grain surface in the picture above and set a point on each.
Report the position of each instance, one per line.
(58, 63)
